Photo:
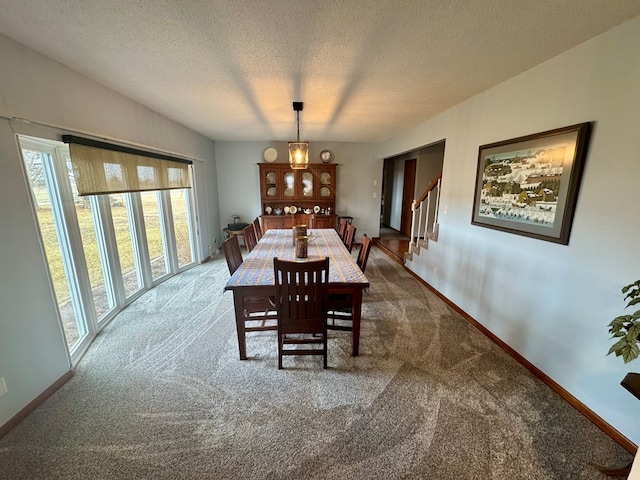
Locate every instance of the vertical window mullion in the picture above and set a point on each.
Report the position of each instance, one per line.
(106, 258)
(111, 249)
(166, 245)
(194, 229)
(167, 222)
(139, 236)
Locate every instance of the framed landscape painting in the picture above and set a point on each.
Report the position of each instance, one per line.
(529, 185)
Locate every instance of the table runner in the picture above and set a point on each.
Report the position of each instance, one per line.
(257, 267)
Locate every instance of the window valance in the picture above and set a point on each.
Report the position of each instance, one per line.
(101, 167)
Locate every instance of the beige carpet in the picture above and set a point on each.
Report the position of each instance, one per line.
(161, 394)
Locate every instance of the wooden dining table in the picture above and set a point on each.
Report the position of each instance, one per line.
(254, 277)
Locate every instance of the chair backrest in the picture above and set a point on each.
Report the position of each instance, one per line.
(342, 228)
(363, 254)
(231, 249)
(350, 237)
(249, 234)
(257, 228)
(302, 290)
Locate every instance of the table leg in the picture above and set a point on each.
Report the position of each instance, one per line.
(238, 302)
(356, 311)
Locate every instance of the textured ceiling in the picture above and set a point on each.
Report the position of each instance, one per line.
(365, 69)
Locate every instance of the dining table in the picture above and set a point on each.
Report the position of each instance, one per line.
(255, 278)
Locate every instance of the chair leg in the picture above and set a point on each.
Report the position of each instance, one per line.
(279, 351)
(324, 347)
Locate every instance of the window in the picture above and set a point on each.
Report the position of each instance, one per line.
(103, 250)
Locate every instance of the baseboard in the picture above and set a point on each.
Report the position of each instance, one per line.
(573, 401)
(39, 400)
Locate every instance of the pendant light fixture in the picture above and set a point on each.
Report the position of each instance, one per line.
(298, 151)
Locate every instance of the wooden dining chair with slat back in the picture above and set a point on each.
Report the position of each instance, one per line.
(363, 253)
(232, 253)
(249, 234)
(257, 228)
(340, 313)
(350, 237)
(342, 228)
(258, 313)
(301, 301)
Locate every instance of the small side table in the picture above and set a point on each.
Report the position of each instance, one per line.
(230, 233)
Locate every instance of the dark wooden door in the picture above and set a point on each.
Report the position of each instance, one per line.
(408, 195)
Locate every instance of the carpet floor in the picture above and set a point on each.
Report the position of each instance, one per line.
(161, 394)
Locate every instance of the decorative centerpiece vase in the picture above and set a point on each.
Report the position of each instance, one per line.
(302, 241)
(299, 230)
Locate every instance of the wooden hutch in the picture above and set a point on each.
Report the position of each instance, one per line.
(291, 197)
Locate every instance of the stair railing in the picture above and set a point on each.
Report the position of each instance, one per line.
(420, 215)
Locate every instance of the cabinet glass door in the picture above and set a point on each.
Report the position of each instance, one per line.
(307, 184)
(289, 185)
(270, 184)
(325, 184)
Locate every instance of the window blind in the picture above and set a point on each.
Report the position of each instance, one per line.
(101, 168)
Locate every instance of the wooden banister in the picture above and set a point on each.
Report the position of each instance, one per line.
(431, 186)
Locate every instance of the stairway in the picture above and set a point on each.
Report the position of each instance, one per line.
(424, 219)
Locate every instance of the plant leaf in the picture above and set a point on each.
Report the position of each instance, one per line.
(633, 302)
(619, 321)
(633, 332)
(618, 347)
(631, 352)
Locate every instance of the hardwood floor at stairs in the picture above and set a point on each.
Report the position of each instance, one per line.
(393, 243)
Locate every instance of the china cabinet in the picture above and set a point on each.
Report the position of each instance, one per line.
(291, 197)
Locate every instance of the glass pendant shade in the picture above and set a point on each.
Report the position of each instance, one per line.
(298, 154)
(298, 151)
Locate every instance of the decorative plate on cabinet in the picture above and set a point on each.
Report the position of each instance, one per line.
(271, 192)
(326, 156)
(270, 155)
(271, 177)
(325, 178)
(293, 209)
(316, 209)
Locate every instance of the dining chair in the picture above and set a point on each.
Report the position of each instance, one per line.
(258, 313)
(249, 234)
(339, 312)
(301, 300)
(232, 253)
(363, 254)
(342, 228)
(350, 237)
(257, 228)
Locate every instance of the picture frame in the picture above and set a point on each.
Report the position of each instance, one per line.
(529, 185)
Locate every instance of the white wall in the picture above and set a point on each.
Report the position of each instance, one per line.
(239, 185)
(32, 348)
(550, 302)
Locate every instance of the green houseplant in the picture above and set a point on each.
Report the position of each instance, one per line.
(626, 328)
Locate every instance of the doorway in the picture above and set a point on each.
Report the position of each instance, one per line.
(405, 176)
